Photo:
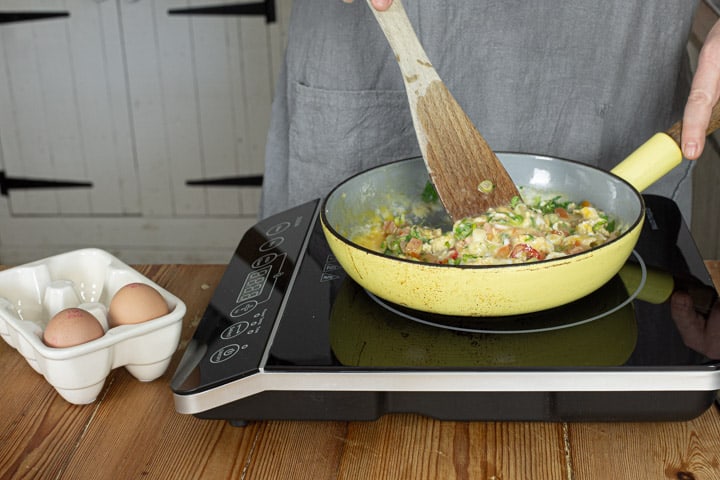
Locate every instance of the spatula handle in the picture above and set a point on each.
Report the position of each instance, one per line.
(676, 130)
(414, 64)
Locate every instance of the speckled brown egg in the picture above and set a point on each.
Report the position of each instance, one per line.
(71, 327)
(136, 303)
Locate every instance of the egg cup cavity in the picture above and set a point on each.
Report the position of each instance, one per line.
(31, 294)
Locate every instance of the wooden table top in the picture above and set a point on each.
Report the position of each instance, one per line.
(133, 431)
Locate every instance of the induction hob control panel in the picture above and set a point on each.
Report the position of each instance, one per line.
(240, 318)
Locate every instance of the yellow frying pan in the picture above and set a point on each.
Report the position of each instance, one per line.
(505, 289)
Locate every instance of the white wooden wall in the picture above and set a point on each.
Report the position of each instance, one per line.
(138, 102)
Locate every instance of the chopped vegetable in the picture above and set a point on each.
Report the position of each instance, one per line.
(429, 194)
(516, 233)
(486, 186)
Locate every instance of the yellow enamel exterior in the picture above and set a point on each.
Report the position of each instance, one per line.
(507, 289)
(483, 291)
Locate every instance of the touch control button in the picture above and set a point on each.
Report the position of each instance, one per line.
(224, 353)
(234, 330)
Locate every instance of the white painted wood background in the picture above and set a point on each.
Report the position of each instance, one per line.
(137, 102)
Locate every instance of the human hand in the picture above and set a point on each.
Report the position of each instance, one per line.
(380, 5)
(699, 333)
(704, 94)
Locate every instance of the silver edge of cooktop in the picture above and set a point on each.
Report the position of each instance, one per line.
(674, 379)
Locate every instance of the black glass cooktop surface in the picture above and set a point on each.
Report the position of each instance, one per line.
(332, 322)
(286, 310)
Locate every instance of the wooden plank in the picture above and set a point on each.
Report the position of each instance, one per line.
(195, 240)
(648, 450)
(243, 116)
(407, 446)
(106, 154)
(180, 105)
(59, 95)
(145, 87)
(197, 254)
(256, 101)
(117, 90)
(211, 39)
(31, 155)
(302, 450)
(39, 428)
(38, 446)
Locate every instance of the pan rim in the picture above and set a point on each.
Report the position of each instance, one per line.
(631, 228)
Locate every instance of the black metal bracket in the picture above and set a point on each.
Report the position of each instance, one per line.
(14, 183)
(245, 181)
(265, 8)
(13, 17)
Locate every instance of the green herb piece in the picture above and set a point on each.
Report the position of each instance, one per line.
(429, 194)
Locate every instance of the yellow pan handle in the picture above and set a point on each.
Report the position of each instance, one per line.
(652, 160)
(659, 155)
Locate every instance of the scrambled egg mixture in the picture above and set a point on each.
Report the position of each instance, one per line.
(516, 233)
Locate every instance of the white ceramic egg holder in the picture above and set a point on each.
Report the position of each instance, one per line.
(31, 294)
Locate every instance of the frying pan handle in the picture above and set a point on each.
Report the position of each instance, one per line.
(659, 155)
(650, 161)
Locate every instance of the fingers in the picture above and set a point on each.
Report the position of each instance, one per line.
(697, 332)
(381, 5)
(704, 94)
(690, 323)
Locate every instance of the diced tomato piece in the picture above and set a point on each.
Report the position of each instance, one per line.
(526, 250)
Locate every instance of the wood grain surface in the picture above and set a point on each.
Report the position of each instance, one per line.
(132, 431)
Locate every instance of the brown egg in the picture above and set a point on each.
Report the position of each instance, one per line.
(70, 327)
(136, 303)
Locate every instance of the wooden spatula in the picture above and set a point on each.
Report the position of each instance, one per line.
(466, 173)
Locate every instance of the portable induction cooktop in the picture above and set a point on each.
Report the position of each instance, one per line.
(287, 335)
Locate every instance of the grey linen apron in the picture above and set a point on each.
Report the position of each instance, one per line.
(585, 80)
